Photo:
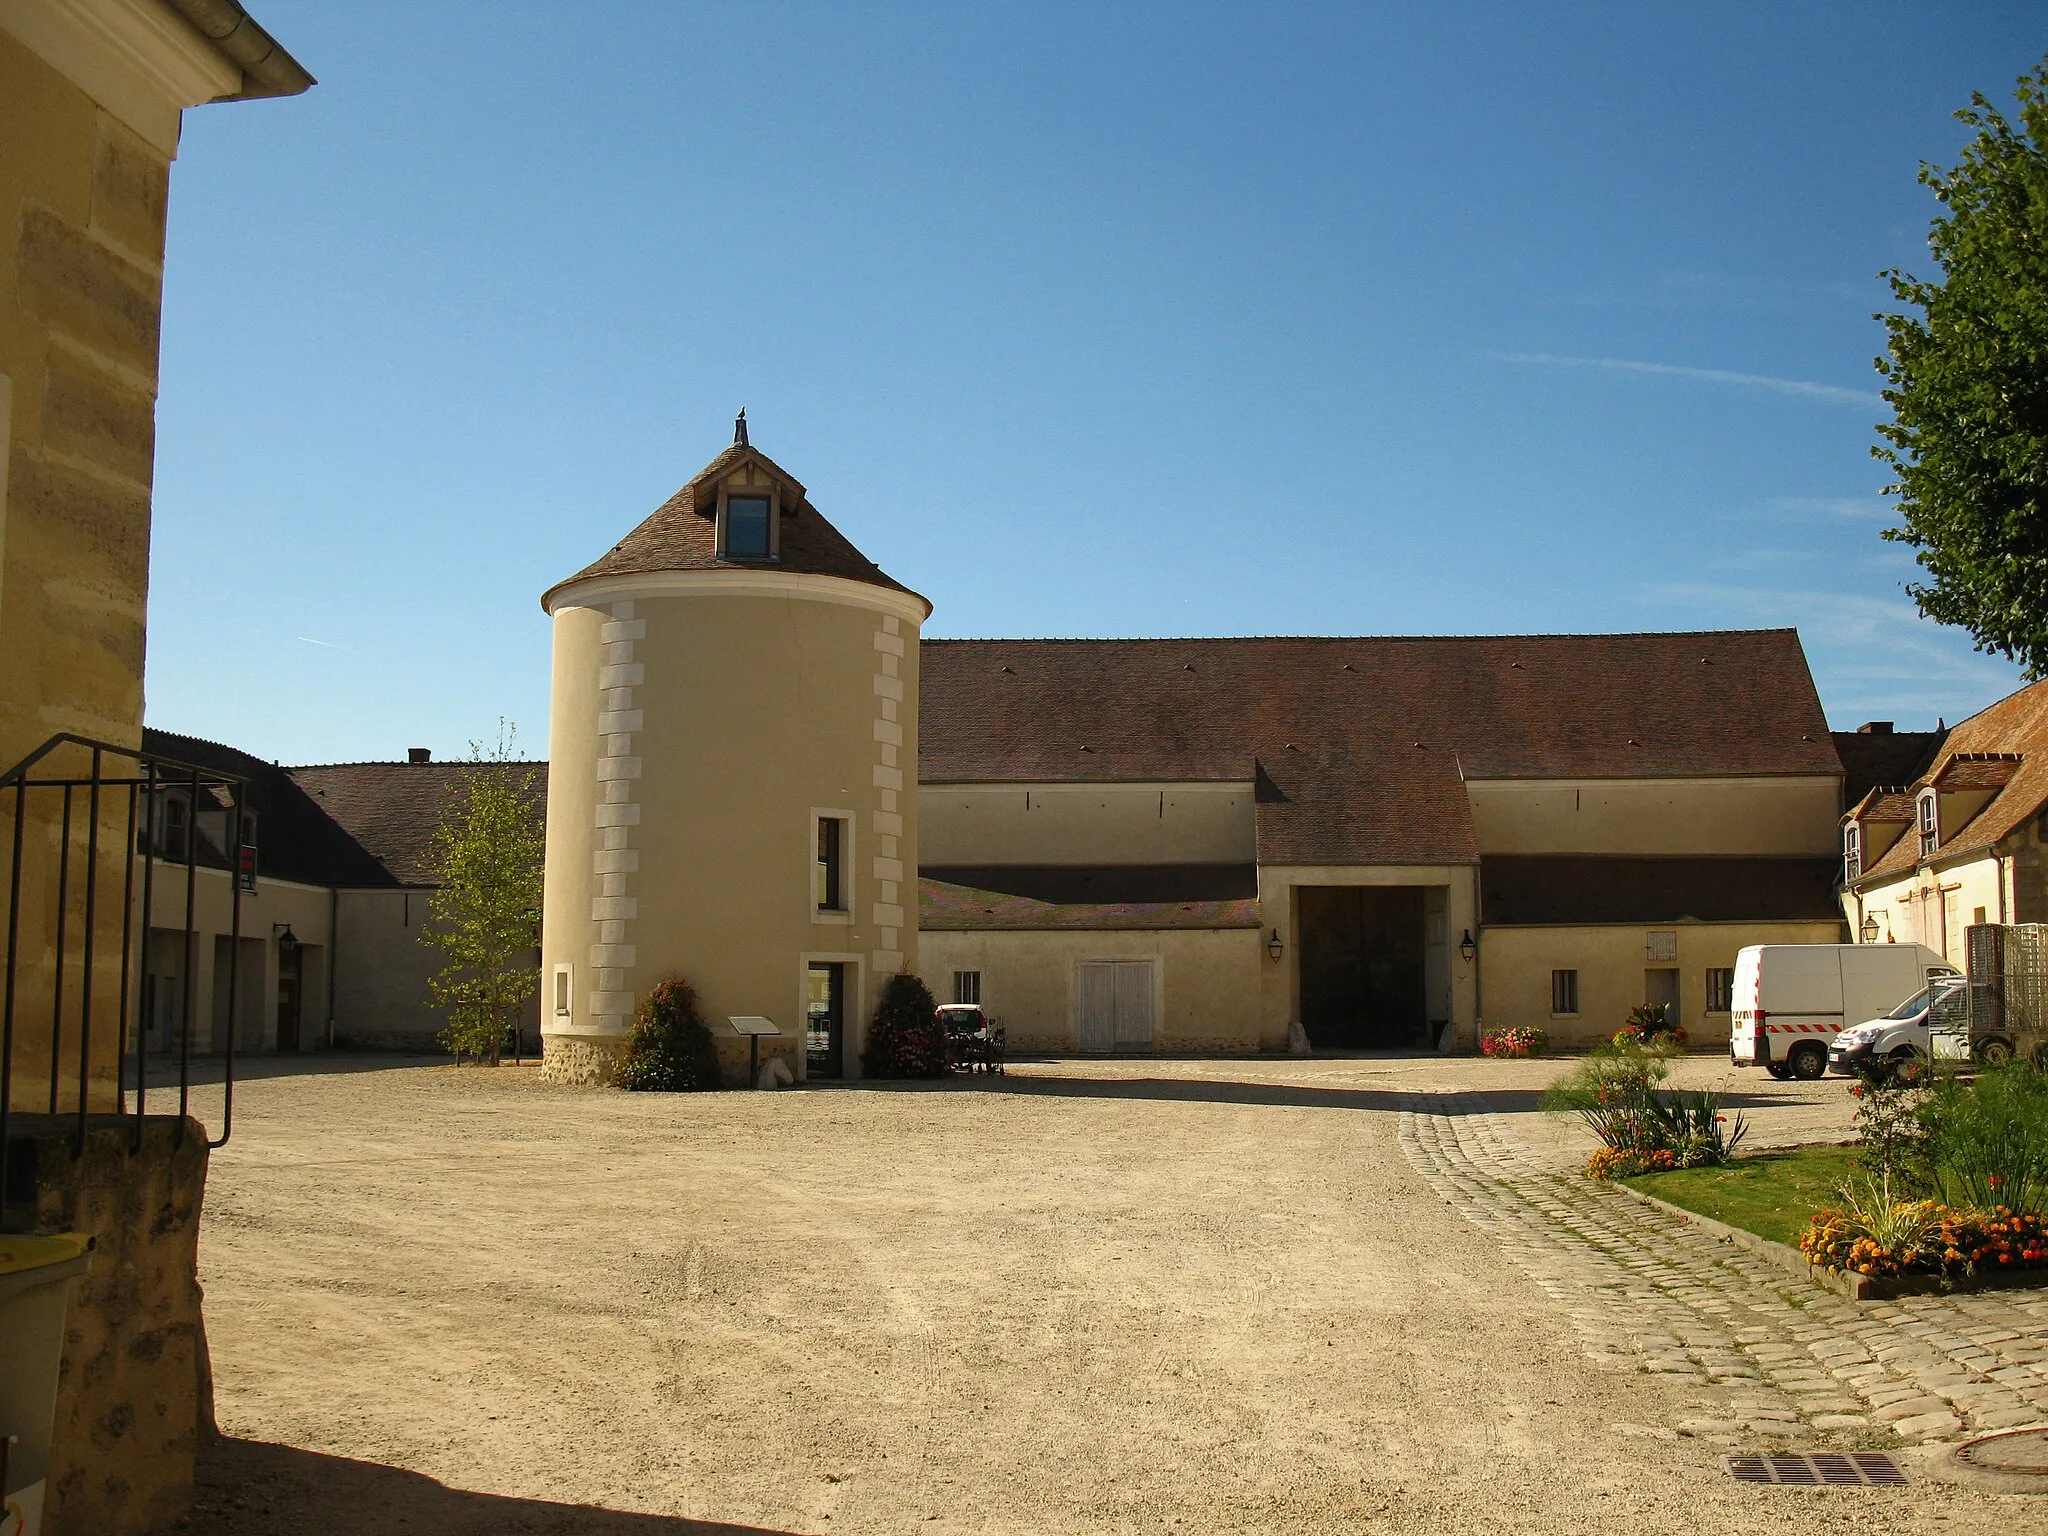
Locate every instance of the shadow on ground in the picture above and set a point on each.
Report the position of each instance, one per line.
(1467, 1101)
(255, 1488)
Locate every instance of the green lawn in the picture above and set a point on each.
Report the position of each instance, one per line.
(1770, 1194)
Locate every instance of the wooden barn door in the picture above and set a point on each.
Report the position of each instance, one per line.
(1113, 1005)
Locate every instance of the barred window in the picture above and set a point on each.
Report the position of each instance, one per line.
(1564, 991)
(1720, 989)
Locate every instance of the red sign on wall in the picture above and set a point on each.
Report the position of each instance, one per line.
(245, 869)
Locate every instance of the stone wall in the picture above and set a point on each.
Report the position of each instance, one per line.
(582, 1061)
(135, 1397)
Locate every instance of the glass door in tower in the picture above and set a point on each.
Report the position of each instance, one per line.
(825, 1021)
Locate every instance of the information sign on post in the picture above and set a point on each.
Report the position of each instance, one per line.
(753, 1026)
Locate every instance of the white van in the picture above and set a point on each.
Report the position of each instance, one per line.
(1791, 1000)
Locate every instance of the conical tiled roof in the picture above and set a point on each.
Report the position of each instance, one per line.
(682, 535)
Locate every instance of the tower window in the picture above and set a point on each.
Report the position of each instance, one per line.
(748, 527)
(829, 880)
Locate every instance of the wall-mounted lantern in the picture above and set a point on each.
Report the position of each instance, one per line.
(287, 941)
(1273, 945)
(1466, 948)
(1868, 930)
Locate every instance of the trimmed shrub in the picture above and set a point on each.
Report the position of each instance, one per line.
(670, 1050)
(906, 1039)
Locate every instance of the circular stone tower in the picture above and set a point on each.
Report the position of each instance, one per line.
(732, 785)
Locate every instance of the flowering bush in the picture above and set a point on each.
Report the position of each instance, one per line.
(1522, 1040)
(1627, 1162)
(1922, 1238)
(1641, 1127)
(670, 1049)
(1652, 1028)
(906, 1039)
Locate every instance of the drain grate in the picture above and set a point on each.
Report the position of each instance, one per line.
(1854, 1469)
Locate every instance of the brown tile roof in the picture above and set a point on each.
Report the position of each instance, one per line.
(1883, 758)
(2016, 724)
(681, 534)
(390, 810)
(1360, 747)
(295, 838)
(942, 907)
(1977, 770)
(1552, 888)
(1096, 884)
(1883, 805)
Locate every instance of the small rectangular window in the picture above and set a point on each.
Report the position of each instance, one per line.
(746, 527)
(1661, 944)
(829, 882)
(175, 823)
(1564, 991)
(1720, 989)
(562, 983)
(967, 987)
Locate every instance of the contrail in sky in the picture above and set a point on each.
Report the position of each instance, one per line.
(1834, 394)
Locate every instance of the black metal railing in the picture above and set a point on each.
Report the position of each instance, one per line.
(95, 812)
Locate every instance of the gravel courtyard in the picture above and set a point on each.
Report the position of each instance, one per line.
(1168, 1296)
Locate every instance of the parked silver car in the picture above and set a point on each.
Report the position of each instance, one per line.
(1899, 1036)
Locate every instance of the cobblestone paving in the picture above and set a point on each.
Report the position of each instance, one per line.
(1779, 1357)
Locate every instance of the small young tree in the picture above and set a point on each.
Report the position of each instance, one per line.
(1968, 383)
(488, 852)
(907, 1039)
(670, 1049)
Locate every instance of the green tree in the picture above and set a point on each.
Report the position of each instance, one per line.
(1968, 388)
(488, 852)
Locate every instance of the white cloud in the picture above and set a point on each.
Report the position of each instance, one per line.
(1833, 394)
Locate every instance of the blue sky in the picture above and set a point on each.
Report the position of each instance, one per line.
(1081, 320)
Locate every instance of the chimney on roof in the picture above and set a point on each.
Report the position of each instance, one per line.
(1874, 728)
(419, 754)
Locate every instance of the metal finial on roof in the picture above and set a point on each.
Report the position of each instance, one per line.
(739, 429)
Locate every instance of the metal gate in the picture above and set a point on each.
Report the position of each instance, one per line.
(1113, 1005)
(2007, 965)
(86, 842)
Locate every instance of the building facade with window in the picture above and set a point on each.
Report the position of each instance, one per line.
(1960, 842)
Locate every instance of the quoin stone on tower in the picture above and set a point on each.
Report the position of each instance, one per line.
(733, 791)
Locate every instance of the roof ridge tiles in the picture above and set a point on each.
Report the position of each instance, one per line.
(1592, 634)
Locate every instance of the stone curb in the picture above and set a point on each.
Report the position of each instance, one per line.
(1860, 1288)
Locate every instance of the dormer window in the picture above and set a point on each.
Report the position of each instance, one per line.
(746, 525)
(1852, 851)
(1930, 824)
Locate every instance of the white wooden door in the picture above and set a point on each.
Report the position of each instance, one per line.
(1134, 1005)
(1113, 1005)
(1095, 1005)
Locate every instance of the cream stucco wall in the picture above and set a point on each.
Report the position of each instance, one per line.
(82, 200)
(306, 908)
(1177, 823)
(1516, 966)
(701, 721)
(1671, 816)
(1208, 984)
(1933, 905)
